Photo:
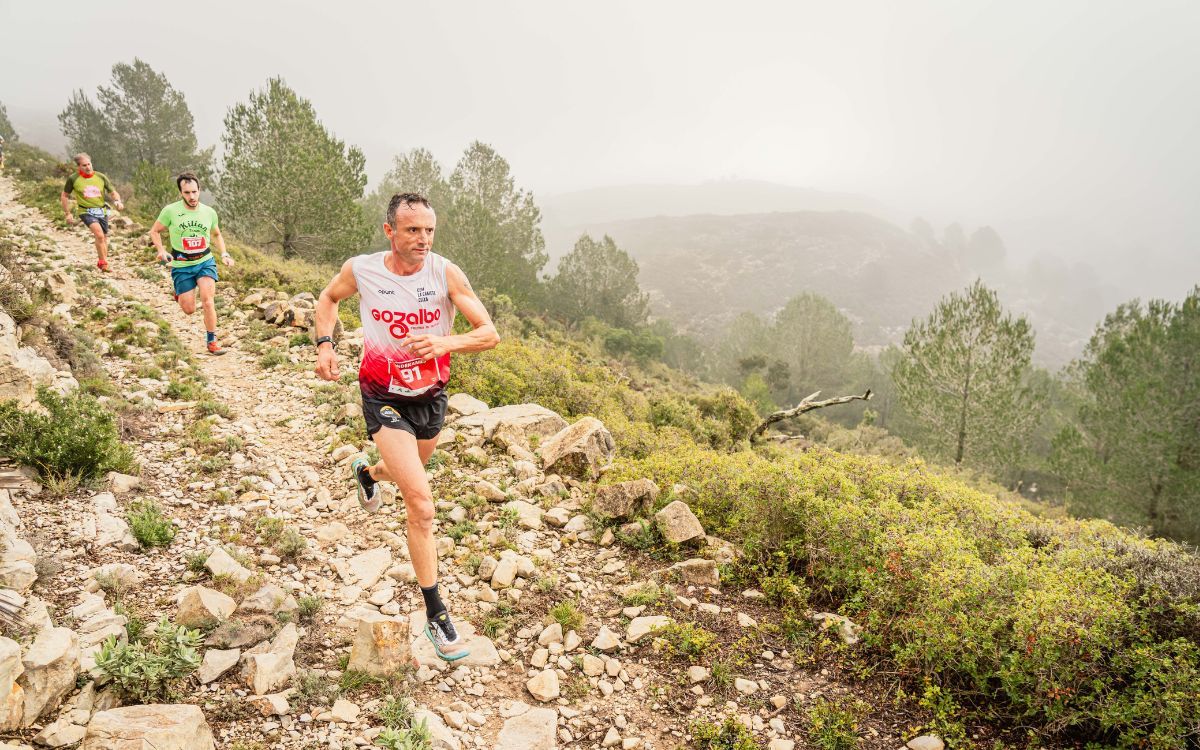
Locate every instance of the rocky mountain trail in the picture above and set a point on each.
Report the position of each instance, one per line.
(310, 613)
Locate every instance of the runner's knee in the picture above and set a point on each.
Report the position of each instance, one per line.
(420, 513)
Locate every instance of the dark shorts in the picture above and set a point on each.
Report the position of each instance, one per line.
(90, 219)
(422, 419)
(185, 279)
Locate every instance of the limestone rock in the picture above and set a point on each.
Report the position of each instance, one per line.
(381, 645)
(580, 450)
(220, 563)
(926, 742)
(543, 685)
(162, 727)
(625, 499)
(530, 419)
(640, 627)
(368, 567)
(464, 405)
(442, 737)
(847, 629)
(529, 516)
(678, 524)
(698, 571)
(216, 663)
(606, 640)
(119, 484)
(202, 607)
(531, 729)
(12, 693)
(267, 667)
(50, 667)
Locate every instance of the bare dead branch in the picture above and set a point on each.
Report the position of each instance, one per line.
(808, 403)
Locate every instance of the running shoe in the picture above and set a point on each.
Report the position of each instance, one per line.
(446, 642)
(369, 496)
(102, 265)
(215, 348)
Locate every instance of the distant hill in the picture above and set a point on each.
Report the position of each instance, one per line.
(566, 215)
(702, 271)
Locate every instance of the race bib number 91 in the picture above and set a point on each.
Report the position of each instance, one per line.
(412, 377)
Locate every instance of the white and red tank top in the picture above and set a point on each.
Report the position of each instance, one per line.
(392, 308)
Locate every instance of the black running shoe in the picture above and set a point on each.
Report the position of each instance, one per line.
(368, 495)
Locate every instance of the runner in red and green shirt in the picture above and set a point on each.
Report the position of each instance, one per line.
(88, 188)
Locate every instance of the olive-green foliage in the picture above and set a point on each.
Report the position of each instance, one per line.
(565, 613)
(834, 726)
(151, 670)
(1067, 623)
(685, 640)
(729, 735)
(7, 132)
(149, 526)
(599, 279)
(77, 437)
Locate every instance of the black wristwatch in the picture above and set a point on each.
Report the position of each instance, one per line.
(324, 340)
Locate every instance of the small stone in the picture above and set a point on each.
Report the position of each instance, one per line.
(544, 685)
(926, 742)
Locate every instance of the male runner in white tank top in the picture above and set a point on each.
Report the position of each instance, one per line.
(408, 295)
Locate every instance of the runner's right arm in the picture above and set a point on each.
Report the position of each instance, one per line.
(156, 240)
(65, 200)
(342, 286)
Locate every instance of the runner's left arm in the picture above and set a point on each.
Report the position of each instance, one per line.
(219, 241)
(116, 197)
(483, 335)
(156, 240)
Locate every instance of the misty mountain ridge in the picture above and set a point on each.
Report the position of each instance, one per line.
(704, 269)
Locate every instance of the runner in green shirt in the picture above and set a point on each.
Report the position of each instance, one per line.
(87, 189)
(193, 228)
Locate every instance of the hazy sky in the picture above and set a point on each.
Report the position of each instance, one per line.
(1072, 127)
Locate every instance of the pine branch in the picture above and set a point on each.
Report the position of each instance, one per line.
(806, 404)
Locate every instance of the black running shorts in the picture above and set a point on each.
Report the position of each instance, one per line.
(423, 419)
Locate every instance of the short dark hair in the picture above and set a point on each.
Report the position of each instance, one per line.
(186, 177)
(406, 199)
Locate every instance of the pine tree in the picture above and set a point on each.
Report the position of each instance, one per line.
(288, 182)
(964, 379)
(599, 280)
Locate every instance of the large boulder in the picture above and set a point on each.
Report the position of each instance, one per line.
(157, 726)
(465, 405)
(678, 524)
(381, 645)
(625, 499)
(580, 450)
(22, 369)
(12, 693)
(50, 667)
(528, 419)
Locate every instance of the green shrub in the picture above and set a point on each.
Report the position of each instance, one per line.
(196, 560)
(150, 671)
(308, 607)
(645, 593)
(834, 727)
(78, 437)
(729, 735)
(565, 613)
(291, 544)
(184, 390)
(461, 530)
(149, 526)
(685, 640)
(273, 358)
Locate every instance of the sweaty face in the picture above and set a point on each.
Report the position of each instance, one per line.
(191, 194)
(412, 237)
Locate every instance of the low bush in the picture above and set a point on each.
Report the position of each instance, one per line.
(832, 726)
(77, 437)
(151, 670)
(1072, 625)
(729, 735)
(149, 526)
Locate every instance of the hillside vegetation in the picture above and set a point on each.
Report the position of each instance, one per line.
(1075, 630)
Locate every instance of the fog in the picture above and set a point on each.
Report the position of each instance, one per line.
(1070, 127)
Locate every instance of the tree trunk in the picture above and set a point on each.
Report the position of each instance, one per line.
(806, 404)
